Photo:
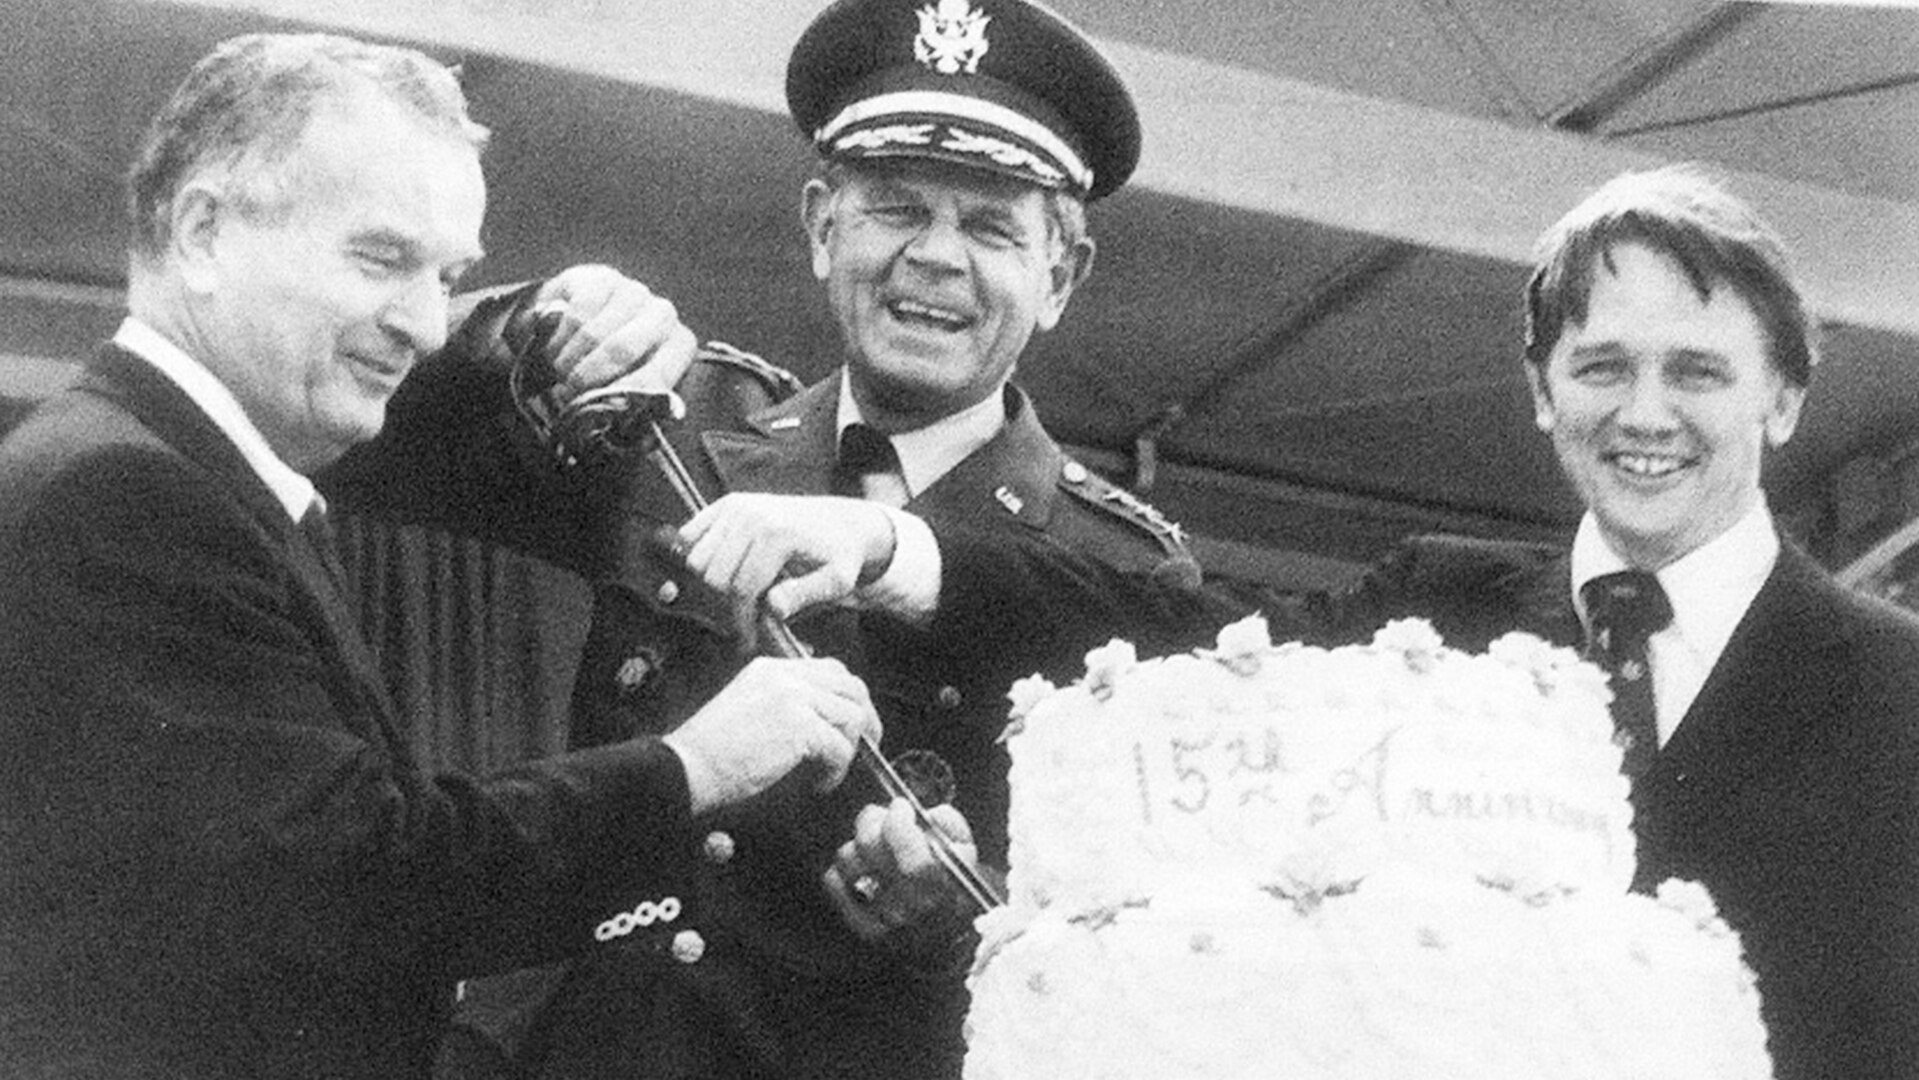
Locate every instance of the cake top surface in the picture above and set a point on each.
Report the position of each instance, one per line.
(1308, 768)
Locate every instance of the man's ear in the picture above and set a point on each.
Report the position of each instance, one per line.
(1074, 265)
(1783, 419)
(194, 233)
(816, 217)
(1542, 396)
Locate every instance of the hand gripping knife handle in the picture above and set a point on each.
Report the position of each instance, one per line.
(608, 424)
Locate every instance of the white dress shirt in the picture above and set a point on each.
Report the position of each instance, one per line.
(294, 491)
(928, 453)
(1710, 589)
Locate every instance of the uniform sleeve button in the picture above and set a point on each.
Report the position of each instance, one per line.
(1074, 472)
(688, 946)
(950, 697)
(718, 848)
(668, 591)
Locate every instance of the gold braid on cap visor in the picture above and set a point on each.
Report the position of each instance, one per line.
(935, 103)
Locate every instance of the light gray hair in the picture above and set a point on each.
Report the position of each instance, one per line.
(242, 110)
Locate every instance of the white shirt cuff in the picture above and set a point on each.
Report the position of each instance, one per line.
(910, 587)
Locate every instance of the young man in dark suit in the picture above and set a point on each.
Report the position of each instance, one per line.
(1669, 349)
(222, 859)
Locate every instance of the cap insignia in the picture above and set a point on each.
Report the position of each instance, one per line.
(952, 37)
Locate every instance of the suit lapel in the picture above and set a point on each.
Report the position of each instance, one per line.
(1781, 675)
(164, 408)
(1782, 670)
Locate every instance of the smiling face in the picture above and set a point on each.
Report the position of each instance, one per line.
(939, 275)
(312, 313)
(1660, 405)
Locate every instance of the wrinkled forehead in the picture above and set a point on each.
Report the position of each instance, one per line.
(374, 163)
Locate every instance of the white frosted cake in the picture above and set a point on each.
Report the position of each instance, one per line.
(1385, 861)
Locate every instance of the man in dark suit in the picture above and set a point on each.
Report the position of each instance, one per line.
(222, 858)
(1668, 351)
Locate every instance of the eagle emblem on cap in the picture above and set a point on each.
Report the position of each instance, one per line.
(952, 37)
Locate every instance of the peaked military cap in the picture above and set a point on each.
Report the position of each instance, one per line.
(1002, 85)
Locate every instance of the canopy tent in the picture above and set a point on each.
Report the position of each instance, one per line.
(1301, 338)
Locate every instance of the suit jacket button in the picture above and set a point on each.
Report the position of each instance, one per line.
(688, 946)
(718, 848)
(668, 591)
(950, 697)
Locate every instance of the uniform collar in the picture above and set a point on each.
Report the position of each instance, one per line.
(293, 491)
(930, 452)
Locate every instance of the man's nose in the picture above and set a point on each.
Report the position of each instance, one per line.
(417, 315)
(941, 243)
(1648, 404)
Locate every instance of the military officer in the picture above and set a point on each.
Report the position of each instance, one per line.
(960, 143)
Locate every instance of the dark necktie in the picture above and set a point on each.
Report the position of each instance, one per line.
(1624, 611)
(319, 533)
(869, 468)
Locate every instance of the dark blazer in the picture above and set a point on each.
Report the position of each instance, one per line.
(220, 857)
(1790, 789)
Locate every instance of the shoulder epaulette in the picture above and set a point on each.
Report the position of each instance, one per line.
(779, 382)
(1102, 494)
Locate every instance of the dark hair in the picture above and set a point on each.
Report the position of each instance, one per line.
(1681, 212)
(241, 111)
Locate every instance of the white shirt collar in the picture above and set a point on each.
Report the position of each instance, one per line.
(930, 452)
(294, 491)
(1710, 587)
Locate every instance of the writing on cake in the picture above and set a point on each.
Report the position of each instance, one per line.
(1384, 860)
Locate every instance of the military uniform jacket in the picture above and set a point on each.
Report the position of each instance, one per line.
(221, 859)
(782, 979)
(1021, 483)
